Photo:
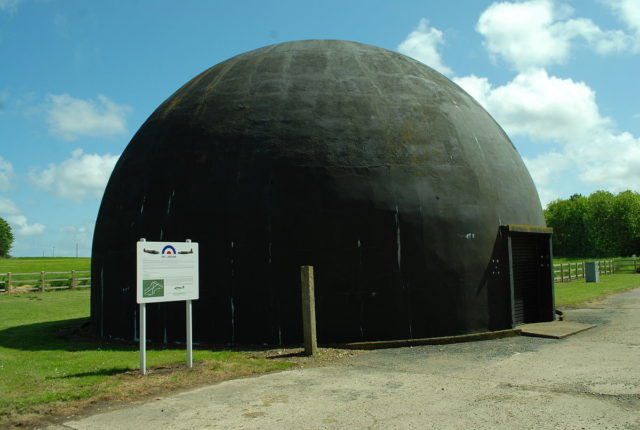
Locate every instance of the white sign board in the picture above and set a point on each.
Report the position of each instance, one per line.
(167, 271)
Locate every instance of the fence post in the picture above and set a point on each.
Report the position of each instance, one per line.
(308, 310)
(73, 279)
(42, 282)
(8, 285)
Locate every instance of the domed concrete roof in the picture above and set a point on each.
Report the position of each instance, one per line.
(377, 170)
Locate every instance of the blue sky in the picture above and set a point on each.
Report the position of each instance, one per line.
(79, 77)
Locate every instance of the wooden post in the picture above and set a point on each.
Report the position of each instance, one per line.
(42, 282)
(308, 310)
(8, 285)
(73, 279)
(561, 272)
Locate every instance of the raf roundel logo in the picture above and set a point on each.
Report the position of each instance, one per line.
(168, 251)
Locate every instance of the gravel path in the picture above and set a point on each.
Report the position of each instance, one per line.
(587, 381)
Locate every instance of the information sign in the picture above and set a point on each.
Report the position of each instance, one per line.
(167, 271)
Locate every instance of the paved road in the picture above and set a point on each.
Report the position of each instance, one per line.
(587, 381)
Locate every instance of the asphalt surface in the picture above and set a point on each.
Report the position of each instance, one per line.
(587, 381)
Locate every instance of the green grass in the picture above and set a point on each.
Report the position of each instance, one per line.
(578, 291)
(50, 264)
(564, 260)
(39, 366)
(43, 264)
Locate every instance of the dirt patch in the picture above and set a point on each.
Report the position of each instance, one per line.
(131, 387)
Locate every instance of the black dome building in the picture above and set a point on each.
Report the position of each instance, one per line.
(409, 200)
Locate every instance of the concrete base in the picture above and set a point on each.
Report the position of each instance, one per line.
(553, 329)
(444, 340)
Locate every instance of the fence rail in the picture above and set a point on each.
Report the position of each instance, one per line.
(627, 266)
(566, 272)
(44, 281)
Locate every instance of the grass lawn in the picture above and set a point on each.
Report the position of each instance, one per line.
(43, 362)
(48, 366)
(564, 260)
(43, 264)
(578, 291)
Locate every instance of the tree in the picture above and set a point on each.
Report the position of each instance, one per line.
(601, 225)
(6, 238)
(567, 218)
(626, 210)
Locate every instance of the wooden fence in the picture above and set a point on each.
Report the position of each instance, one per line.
(630, 265)
(44, 281)
(569, 271)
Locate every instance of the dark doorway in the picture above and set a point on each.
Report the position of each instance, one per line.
(531, 274)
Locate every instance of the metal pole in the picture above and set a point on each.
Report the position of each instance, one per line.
(143, 333)
(189, 336)
(143, 339)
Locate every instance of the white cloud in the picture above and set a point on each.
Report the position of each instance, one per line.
(6, 172)
(628, 11)
(422, 44)
(19, 223)
(79, 176)
(20, 226)
(80, 234)
(9, 5)
(549, 109)
(70, 118)
(540, 106)
(7, 207)
(538, 33)
(545, 168)
(612, 160)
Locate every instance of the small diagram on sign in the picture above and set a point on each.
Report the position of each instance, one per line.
(153, 288)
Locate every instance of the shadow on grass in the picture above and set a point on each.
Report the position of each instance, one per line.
(65, 335)
(287, 355)
(101, 372)
(75, 335)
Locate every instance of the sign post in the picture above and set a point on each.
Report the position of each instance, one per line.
(166, 272)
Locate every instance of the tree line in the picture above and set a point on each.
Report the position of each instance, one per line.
(600, 225)
(6, 238)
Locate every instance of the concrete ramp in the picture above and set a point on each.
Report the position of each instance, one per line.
(553, 329)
